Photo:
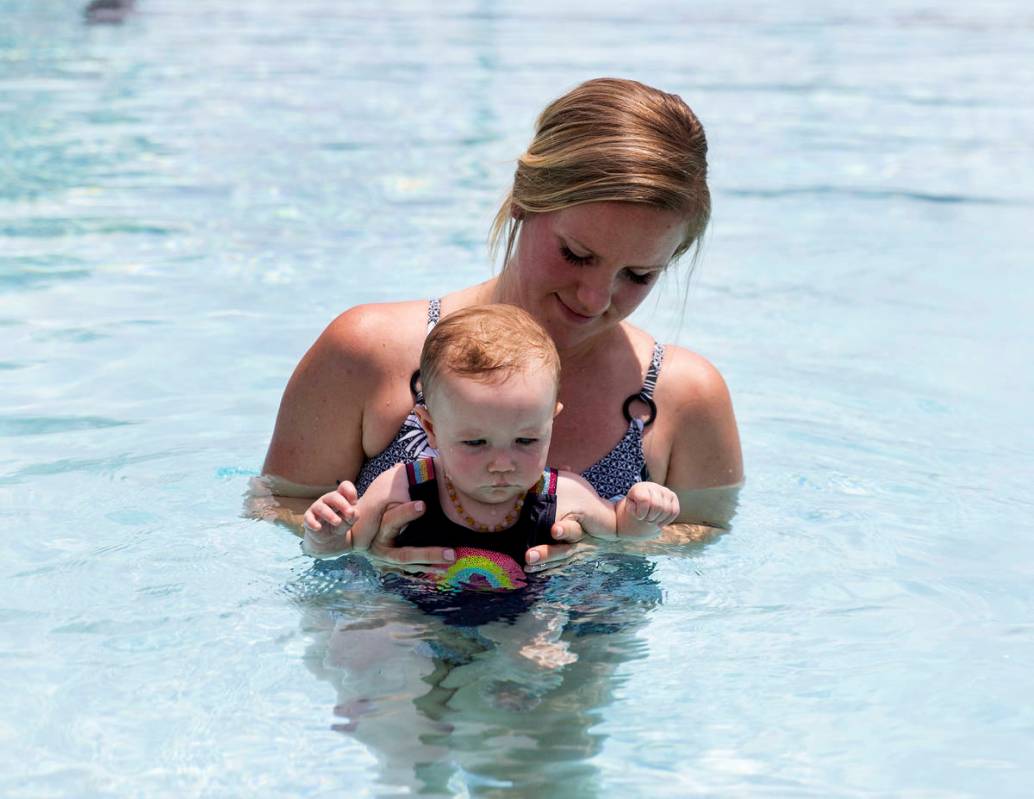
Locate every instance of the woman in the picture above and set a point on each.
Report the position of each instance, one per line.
(612, 190)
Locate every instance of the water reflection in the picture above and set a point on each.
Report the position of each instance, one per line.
(506, 705)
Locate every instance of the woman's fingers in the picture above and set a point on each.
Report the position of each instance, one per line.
(392, 523)
(545, 555)
(395, 519)
(413, 556)
(568, 531)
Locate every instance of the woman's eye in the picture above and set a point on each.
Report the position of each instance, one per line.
(640, 278)
(571, 258)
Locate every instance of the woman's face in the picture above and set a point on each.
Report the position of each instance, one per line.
(581, 270)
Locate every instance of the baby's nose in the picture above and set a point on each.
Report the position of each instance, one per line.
(501, 463)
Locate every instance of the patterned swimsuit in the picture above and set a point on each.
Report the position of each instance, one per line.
(612, 475)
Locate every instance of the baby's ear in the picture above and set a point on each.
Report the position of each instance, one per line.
(559, 407)
(427, 423)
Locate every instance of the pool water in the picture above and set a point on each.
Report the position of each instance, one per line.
(188, 197)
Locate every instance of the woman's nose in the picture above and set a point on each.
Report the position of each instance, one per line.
(594, 292)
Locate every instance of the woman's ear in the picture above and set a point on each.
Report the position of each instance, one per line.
(516, 211)
(427, 423)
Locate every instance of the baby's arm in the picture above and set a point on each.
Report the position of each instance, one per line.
(339, 521)
(645, 510)
(641, 514)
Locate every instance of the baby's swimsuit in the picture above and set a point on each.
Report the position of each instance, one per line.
(489, 563)
(612, 475)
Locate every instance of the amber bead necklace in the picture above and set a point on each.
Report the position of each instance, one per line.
(473, 523)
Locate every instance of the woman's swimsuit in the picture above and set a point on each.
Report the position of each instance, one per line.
(489, 563)
(612, 475)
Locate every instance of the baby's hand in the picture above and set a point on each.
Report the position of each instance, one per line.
(329, 521)
(647, 508)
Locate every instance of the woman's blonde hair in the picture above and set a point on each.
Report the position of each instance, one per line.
(486, 342)
(615, 140)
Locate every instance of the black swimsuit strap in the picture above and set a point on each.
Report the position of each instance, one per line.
(645, 394)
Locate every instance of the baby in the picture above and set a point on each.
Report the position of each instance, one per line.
(490, 378)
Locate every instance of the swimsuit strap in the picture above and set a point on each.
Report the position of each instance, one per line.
(645, 394)
(650, 383)
(434, 313)
(420, 471)
(546, 486)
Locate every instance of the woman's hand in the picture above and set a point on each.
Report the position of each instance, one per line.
(547, 556)
(393, 518)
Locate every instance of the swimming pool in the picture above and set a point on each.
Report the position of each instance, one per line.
(189, 197)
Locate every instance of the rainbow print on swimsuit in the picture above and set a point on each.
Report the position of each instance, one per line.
(482, 570)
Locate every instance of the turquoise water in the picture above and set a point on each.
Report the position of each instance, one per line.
(186, 199)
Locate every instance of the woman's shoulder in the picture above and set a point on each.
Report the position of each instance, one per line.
(376, 333)
(684, 376)
(695, 411)
(690, 379)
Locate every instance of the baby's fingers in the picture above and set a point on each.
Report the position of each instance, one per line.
(644, 508)
(672, 509)
(346, 512)
(348, 491)
(310, 521)
(324, 512)
(639, 501)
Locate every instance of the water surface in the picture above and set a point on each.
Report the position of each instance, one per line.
(187, 198)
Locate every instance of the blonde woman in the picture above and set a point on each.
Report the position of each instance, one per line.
(610, 193)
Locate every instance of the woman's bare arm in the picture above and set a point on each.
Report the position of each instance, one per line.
(318, 437)
(348, 394)
(705, 463)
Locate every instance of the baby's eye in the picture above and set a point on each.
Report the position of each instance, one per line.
(527, 442)
(474, 443)
(570, 257)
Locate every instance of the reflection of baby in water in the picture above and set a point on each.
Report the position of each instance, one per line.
(490, 377)
(438, 705)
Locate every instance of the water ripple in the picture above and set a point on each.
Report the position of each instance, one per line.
(876, 194)
(11, 426)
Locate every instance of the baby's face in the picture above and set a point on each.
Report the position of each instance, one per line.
(493, 437)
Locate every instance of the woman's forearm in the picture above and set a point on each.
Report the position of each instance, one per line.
(280, 501)
(711, 507)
